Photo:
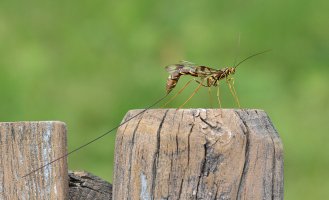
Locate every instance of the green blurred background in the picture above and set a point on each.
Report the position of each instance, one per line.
(88, 62)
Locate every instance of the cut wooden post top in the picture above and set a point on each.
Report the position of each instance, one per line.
(198, 154)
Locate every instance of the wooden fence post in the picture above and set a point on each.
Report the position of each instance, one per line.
(25, 146)
(198, 154)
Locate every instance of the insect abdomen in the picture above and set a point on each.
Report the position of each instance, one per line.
(171, 83)
(178, 71)
(175, 75)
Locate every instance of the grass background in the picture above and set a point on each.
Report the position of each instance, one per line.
(88, 62)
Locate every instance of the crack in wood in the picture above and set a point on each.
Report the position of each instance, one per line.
(131, 153)
(188, 144)
(246, 162)
(156, 155)
(274, 159)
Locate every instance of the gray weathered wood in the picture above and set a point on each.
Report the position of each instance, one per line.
(84, 185)
(25, 146)
(198, 154)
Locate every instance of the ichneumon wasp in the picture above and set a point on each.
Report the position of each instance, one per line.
(204, 76)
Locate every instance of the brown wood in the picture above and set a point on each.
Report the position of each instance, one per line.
(84, 185)
(198, 154)
(25, 146)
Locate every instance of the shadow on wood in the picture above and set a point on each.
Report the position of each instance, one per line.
(198, 154)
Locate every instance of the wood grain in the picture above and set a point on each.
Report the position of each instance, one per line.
(198, 154)
(26, 146)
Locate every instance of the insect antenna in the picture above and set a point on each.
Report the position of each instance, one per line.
(97, 138)
(237, 48)
(256, 54)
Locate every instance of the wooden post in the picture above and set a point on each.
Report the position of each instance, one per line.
(25, 146)
(198, 154)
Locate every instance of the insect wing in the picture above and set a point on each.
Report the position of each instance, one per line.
(179, 67)
(186, 63)
(173, 68)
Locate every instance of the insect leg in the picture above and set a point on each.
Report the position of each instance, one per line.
(201, 83)
(210, 97)
(195, 91)
(218, 97)
(219, 102)
(230, 82)
(209, 90)
(180, 91)
(236, 96)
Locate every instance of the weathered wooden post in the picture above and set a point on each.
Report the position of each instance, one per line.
(25, 146)
(198, 154)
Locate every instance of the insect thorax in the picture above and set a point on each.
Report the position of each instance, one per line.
(224, 72)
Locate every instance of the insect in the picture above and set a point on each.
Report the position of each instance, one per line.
(205, 76)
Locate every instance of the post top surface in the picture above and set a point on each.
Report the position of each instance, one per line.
(203, 109)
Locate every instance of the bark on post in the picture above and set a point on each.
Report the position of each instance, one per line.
(198, 154)
(86, 186)
(25, 146)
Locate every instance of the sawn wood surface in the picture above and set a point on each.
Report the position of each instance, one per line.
(198, 154)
